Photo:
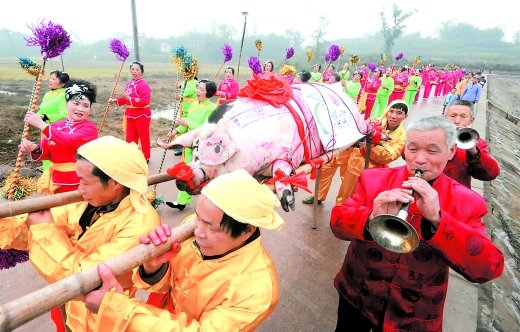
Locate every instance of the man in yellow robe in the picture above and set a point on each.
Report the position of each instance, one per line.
(381, 154)
(221, 280)
(67, 239)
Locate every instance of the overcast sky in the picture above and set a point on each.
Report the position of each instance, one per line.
(99, 19)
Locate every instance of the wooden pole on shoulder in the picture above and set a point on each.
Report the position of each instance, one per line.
(18, 312)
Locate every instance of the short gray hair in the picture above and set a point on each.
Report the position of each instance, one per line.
(433, 123)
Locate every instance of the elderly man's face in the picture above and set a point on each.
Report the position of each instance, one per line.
(92, 189)
(460, 116)
(211, 237)
(428, 151)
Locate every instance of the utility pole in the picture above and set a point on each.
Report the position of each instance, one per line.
(136, 33)
(242, 42)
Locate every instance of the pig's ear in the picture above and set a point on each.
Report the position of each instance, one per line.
(185, 139)
(215, 150)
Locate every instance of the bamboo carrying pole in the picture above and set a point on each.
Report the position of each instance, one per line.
(18, 312)
(46, 202)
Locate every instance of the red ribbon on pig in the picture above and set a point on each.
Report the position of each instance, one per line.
(314, 166)
(298, 180)
(268, 87)
(181, 171)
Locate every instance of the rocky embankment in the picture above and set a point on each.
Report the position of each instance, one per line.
(500, 299)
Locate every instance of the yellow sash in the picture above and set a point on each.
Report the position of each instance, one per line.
(45, 184)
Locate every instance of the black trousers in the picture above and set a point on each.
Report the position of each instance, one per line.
(351, 319)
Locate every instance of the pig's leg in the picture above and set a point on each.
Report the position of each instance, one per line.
(284, 191)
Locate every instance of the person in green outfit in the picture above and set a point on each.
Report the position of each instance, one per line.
(316, 75)
(189, 89)
(197, 115)
(353, 87)
(345, 73)
(53, 106)
(414, 83)
(383, 94)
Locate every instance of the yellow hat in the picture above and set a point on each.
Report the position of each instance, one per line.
(242, 198)
(122, 162)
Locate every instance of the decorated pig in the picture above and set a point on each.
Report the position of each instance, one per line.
(270, 131)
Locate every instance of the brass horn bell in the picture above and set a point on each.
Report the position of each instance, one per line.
(467, 138)
(393, 232)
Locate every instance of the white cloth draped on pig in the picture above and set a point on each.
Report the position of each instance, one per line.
(252, 134)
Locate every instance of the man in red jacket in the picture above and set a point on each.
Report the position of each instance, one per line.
(387, 291)
(475, 162)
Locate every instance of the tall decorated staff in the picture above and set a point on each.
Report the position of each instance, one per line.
(383, 59)
(341, 51)
(53, 40)
(121, 51)
(227, 53)
(288, 54)
(259, 47)
(416, 61)
(254, 64)
(398, 57)
(354, 60)
(188, 67)
(332, 54)
(310, 54)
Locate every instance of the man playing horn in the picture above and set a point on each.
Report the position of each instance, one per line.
(221, 280)
(382, 290)
(71, 238)
(475, 162)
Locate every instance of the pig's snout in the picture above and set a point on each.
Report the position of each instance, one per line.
(183, 186)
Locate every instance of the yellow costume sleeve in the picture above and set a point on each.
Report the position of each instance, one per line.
(242, 310)
(388, 151)
(56, 252)
(13, 232)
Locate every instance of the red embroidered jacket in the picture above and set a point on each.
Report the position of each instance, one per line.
(139, 103)
(462, 169)
(408, 290)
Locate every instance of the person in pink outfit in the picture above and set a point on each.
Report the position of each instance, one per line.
(138, 114)
(228, 88)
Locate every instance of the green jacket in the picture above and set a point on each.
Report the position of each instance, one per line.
(189, 96)
(54, 105)
(197, 115)
(414, 82)
(388, 83)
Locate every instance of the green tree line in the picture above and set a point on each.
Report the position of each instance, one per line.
(457, 43)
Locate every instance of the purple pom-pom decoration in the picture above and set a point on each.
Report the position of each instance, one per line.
(399, 56)
(327, 57)
(334, 52)
(372, 66)
(290, 53)
(10, 257)
(51, 38)
(255, 65)
(227, 51)
(119, 48)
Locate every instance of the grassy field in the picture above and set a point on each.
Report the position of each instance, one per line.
(16, 86)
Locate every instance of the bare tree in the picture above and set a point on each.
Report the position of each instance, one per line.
(394, 30)
(319, 38)
(516, 38)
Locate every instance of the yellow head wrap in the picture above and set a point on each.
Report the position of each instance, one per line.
(122, 162)
(242, 198)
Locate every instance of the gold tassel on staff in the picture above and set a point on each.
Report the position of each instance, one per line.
(20, 311)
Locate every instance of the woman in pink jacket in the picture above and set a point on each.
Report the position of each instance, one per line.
(138, 114)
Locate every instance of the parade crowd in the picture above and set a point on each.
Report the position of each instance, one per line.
(222, 278)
